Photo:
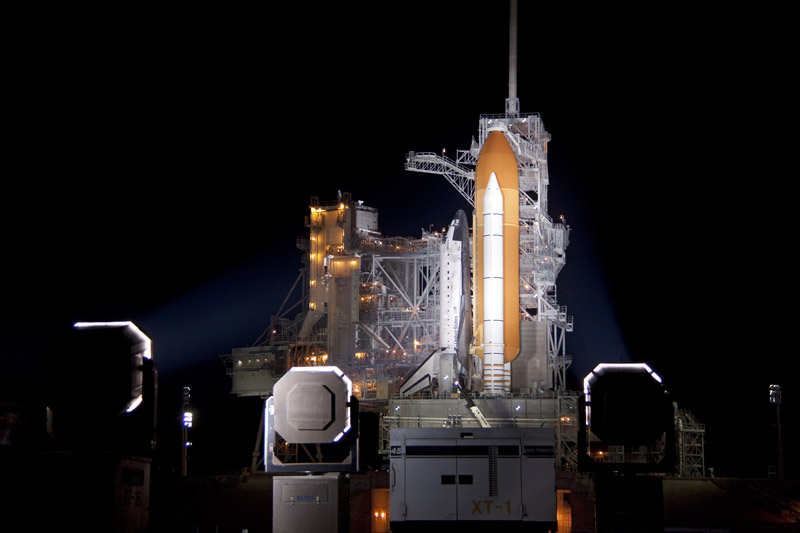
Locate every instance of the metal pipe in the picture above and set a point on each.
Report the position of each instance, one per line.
(512, 51)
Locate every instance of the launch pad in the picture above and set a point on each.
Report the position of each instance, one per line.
(454, 339)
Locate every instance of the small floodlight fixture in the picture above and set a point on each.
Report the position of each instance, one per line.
(186, 396)
(775, 399)
(775, 394)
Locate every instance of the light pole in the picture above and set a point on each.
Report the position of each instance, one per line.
(187, 423)
(775, 399)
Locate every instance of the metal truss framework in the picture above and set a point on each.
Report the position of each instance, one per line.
(567, 430)
(542, 242)
(400, 301)
(398, 316)
(690, 441)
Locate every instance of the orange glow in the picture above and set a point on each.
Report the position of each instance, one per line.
(564, 511)
(380, 511)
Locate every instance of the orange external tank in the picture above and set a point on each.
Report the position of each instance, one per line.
(497, 157)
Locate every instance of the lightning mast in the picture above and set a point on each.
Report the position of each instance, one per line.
(542, 241)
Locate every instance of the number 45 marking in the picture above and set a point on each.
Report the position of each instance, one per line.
(478, 506)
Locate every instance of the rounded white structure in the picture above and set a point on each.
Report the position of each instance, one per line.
(493, 335)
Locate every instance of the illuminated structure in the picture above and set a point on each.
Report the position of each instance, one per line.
(310, 406)
(373, 302)
(389, 311)
(492, 283)
(542, 361)
(378, 295)
(186, 424)
(775, 399)
(366, 303)
(375, 306)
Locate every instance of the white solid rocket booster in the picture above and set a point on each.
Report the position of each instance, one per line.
(493, 336)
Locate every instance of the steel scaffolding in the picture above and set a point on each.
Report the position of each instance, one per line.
(399, 300)
(691, 444)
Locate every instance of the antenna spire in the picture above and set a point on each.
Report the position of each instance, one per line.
(512, 102)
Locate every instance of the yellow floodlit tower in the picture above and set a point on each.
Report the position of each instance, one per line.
(333, 277)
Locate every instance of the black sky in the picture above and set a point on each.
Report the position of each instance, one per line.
(160, 165)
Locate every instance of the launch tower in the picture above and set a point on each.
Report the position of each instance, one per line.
(542, 362)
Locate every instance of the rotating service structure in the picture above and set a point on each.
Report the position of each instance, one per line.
(364, 302)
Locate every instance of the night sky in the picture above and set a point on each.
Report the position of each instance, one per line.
(159, 166)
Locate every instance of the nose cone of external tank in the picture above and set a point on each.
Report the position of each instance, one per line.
(496, 156)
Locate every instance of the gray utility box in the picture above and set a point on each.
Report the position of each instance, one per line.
(311, 503)
(476, 476)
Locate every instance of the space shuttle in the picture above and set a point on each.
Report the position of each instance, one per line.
(489, 324)
(452, 359)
